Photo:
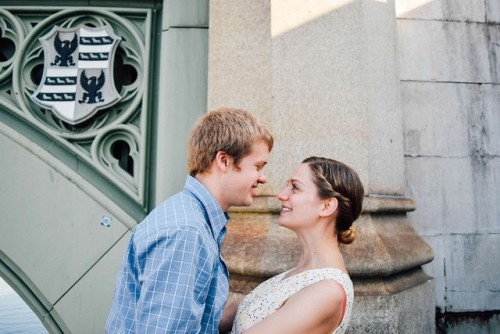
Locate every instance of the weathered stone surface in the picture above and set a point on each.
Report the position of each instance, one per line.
(432, 110)
(390, 285)
(492, 11)
(467, 277)
(451, 120)
(408, 311)
(386, 245)
(447, 10)
(445, 51)
(256, 246)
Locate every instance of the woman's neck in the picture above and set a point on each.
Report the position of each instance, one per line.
(319, 250)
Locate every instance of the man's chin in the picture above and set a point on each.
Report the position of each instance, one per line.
(246, 202)
(249, 201)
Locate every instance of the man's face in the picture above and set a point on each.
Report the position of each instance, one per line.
(242, 180)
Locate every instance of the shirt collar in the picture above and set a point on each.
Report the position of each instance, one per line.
(217, 218)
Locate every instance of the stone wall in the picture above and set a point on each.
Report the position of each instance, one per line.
(451, 116)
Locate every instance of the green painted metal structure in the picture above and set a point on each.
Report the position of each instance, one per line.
(71, 194)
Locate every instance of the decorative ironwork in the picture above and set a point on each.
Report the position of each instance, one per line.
(111, 137)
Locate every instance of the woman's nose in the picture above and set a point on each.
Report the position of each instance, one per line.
(282, 195)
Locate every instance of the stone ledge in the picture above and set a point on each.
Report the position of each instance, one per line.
(390, 285)
(371, 204)
(373, 286)
(386, 245)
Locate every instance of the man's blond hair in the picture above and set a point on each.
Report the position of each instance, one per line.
(230, 130)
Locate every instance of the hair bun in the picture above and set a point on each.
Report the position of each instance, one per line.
(347, 236)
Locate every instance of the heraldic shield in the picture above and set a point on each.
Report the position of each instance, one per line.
(78, 72)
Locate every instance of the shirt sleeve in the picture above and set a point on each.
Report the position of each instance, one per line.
(174, 274)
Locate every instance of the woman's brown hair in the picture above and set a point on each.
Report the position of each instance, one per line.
(336, 179)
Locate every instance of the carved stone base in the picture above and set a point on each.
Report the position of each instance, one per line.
(410, 311)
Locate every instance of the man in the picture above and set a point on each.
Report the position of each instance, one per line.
(173, 279)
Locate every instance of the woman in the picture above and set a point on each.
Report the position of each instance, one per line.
(321, 201)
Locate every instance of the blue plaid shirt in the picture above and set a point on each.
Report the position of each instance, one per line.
(173, 278)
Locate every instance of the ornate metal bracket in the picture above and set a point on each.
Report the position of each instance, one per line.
(113, 141)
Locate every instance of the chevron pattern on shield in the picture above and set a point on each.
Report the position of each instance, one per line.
(78, 72)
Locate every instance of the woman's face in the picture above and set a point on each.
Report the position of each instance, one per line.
(300, 203)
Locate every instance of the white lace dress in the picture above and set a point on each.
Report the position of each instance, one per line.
(271, 294)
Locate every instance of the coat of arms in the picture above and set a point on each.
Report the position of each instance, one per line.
(78, 72)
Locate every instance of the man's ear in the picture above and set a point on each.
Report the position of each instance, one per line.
(330, 206)
(223, 160)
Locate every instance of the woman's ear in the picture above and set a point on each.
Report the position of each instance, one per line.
(329, 207)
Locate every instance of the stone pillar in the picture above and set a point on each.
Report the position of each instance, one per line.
(324, 75)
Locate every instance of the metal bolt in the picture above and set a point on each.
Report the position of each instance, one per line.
(106, 221)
